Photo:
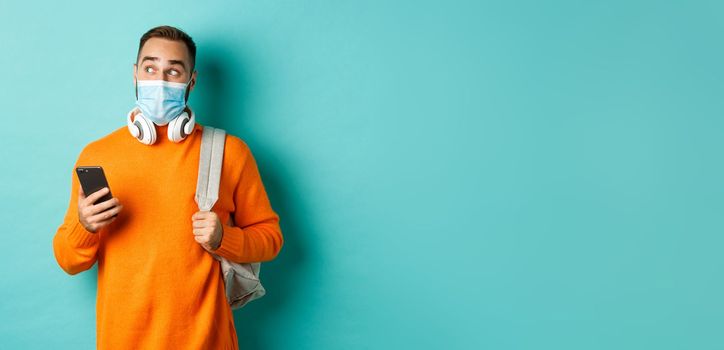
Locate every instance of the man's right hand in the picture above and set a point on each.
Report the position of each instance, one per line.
(95, 216)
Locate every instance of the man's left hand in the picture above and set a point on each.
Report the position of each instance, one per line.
(207, 229)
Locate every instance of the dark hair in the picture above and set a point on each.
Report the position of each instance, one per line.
(170, 33)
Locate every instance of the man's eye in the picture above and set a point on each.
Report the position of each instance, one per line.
(173, 72)
(149, 69)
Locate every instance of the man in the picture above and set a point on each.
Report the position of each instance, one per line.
(158, 285)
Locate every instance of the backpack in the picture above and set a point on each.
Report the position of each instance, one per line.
(241, 280)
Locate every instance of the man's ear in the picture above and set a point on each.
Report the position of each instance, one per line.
(192, 83)
(135, 80)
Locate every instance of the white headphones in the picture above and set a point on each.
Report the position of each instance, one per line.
(145, 131)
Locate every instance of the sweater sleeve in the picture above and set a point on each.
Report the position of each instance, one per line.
(255, 234)
(74, 247)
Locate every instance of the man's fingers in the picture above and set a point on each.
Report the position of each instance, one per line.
(95, 195)
(203, 242)
(97, 208)
(105, 215)
(99, 225)
(203, 231)
(201, 223)
(200, 215)
(106, 222)
(203, 228)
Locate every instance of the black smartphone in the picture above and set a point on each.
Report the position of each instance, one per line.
(92, 179)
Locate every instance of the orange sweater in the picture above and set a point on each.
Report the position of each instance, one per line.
(157, 287)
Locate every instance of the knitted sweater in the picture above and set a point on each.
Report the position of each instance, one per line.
(157, 287)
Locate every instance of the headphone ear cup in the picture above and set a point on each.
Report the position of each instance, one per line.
(177, 127)
(188, 127)
(182, 127)
(134, 129)
(147, 132)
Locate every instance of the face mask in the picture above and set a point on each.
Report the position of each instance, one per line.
(161, 101)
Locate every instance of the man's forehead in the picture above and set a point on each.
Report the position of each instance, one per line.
(159, 49)
(159, 59)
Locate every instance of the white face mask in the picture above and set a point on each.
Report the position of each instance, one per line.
(161, 101)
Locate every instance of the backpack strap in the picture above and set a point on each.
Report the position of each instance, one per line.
(241, 280)
(210, 161)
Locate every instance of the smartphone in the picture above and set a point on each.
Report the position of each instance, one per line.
(92, 179)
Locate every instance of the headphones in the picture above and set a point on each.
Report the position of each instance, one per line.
(145, 131)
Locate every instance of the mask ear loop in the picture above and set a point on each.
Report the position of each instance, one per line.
(186, 96)
(135, 84)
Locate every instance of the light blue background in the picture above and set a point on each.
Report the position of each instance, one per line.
(449, 175)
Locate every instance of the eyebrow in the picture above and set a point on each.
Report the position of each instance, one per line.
(149, 58)
(152, 58)
(178, 62)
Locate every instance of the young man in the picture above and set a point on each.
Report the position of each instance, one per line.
(158, 285)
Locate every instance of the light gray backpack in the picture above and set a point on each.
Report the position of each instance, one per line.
(241, 280)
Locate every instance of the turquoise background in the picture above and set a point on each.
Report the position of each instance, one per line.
(449, 175)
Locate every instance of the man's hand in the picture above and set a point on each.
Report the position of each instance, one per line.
(207, 229)
(95, 216)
